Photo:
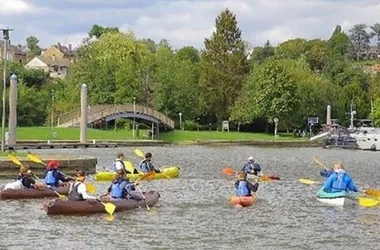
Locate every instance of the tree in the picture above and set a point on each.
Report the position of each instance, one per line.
(376, 33)
(260, 54)
(223, 67)
(33, 48)
(291, 49)
(30, 77)
(360, 40)
(339, 43)
(375, 115)
(188, 53)
(318, 54)
(269, 92)
(98, 30)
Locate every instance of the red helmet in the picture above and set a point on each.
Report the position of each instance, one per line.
(52, 164)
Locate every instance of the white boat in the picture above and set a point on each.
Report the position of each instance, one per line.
(368, 138)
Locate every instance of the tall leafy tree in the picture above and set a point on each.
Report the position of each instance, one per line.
(269, 92)
(98, 30)
(360, 40)
(339, 43)
(223, 67)
(33, 48)
(318, 54)
(291, 49)
(260, 54)
(376, 33)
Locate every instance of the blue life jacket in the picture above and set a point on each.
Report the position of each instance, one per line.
(340, 183)
(242, 189)
(118, 189)
(49, 178)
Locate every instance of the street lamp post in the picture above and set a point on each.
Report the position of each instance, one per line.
(134, 115)
(180, 121)
(6, 39)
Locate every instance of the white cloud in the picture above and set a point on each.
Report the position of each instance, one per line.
(11, 7)
(184, 22)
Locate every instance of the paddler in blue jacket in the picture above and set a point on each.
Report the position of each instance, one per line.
(121, 188)
(339, 181)
(251, 167)
(52, 175)
(243, 187)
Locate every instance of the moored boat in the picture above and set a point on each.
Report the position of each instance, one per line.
(31, 193)
(336, 199)
(167, 172)
(244, 201)
(68, 207)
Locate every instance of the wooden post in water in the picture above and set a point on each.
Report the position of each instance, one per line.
(12, 121)
(83, 114)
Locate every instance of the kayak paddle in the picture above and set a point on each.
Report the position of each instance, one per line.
(90, 188)
(17, 162)
(308, 181)
(139, 153)
(230, 171)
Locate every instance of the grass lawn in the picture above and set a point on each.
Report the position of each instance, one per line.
(45, 133)
(178, 135)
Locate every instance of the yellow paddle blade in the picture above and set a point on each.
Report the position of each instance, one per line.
(110, 217)
(308, 182)
(146, 176)
(128, 166)
(318, 162)
(373, 192)
(14, 160)
(139, 153)
(90, 188)
(368, 202)
(109, 207)
(35, 159)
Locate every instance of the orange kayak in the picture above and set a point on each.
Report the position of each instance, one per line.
(244, 201)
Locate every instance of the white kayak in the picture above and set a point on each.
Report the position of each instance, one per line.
(341, 199)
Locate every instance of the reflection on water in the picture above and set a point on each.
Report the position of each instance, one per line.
(194, 212)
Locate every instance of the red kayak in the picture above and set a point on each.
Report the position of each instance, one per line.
(31, 193)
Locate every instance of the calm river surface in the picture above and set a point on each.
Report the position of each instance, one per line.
(194, 212)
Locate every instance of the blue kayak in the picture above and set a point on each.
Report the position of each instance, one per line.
(336, 198)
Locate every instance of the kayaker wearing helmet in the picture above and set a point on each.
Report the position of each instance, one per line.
(52, 176)
(243, 187)
(78, 190)
(146, 164)
(339, 181)
(251, 167)
(121, 188)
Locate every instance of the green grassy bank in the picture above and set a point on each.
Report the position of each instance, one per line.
(44, 133)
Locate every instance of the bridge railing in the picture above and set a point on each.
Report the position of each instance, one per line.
(99, 111)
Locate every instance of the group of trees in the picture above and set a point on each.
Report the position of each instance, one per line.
(291, 81)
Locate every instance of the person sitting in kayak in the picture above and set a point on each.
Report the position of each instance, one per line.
(251, 167)
(146, 165)
(339, 181)
(121, 188)
(243, 187)
(119, 164)
(78, 190)
(23, 180)
(52, 175)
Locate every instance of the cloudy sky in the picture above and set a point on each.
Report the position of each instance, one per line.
(182, 22)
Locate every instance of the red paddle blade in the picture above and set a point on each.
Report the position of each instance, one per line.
(272, 177)
(228, 171)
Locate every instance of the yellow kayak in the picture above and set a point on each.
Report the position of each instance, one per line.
(166, 172)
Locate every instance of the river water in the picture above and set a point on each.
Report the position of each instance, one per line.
(194, 212)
